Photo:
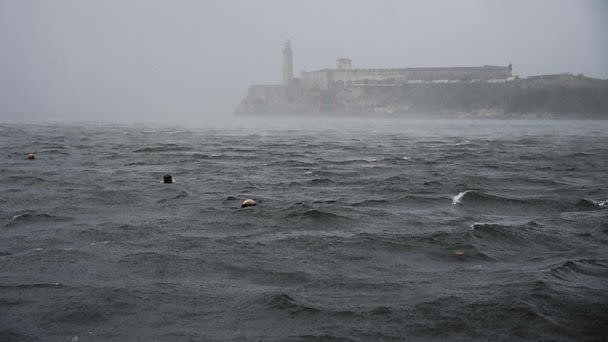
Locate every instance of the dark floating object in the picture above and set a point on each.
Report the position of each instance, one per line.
(248, 203)
(167, 179)
(31, 156)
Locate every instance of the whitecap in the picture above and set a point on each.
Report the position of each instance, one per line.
(595, 203)
(458, 198)
(99, 243)
(478, 224)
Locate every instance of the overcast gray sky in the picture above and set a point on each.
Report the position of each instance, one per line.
(149, 60)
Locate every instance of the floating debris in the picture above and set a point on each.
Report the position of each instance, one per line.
(458, 253)
(248, 203)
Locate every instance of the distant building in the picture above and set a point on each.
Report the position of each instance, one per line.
(344, 74)
(344, 64)
(319, 87)
(482, 91)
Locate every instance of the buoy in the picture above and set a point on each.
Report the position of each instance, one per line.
(459, 253)
(248, 203)
(167, 179)
(31, 156)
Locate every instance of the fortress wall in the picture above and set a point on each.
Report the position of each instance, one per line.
(423, 74)
(315, 79)
(261, 98)
(322, 79)
(257, 91)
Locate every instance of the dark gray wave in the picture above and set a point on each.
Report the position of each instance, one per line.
(485, 231)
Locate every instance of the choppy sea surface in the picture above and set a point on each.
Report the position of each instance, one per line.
(363, 231)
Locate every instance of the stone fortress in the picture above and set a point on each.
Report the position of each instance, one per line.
(349, 90)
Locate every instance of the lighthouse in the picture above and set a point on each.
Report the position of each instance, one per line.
(287, 63)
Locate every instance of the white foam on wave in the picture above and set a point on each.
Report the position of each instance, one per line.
(99, 243)
(595, 203)
(458, 198)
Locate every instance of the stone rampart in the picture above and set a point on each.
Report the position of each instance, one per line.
(324, 79)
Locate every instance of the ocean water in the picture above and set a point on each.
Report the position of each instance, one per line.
(363, 231)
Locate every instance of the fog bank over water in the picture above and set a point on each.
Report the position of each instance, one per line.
(266, 126)
(190, 62)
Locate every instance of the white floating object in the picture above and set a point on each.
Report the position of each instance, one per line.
(248, 203)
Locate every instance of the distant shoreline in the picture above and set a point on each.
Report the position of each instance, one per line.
(446, 115)
(487, 91)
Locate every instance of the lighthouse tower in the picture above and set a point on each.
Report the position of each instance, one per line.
(287, 63)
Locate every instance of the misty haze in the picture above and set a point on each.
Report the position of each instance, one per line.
(303, 170)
